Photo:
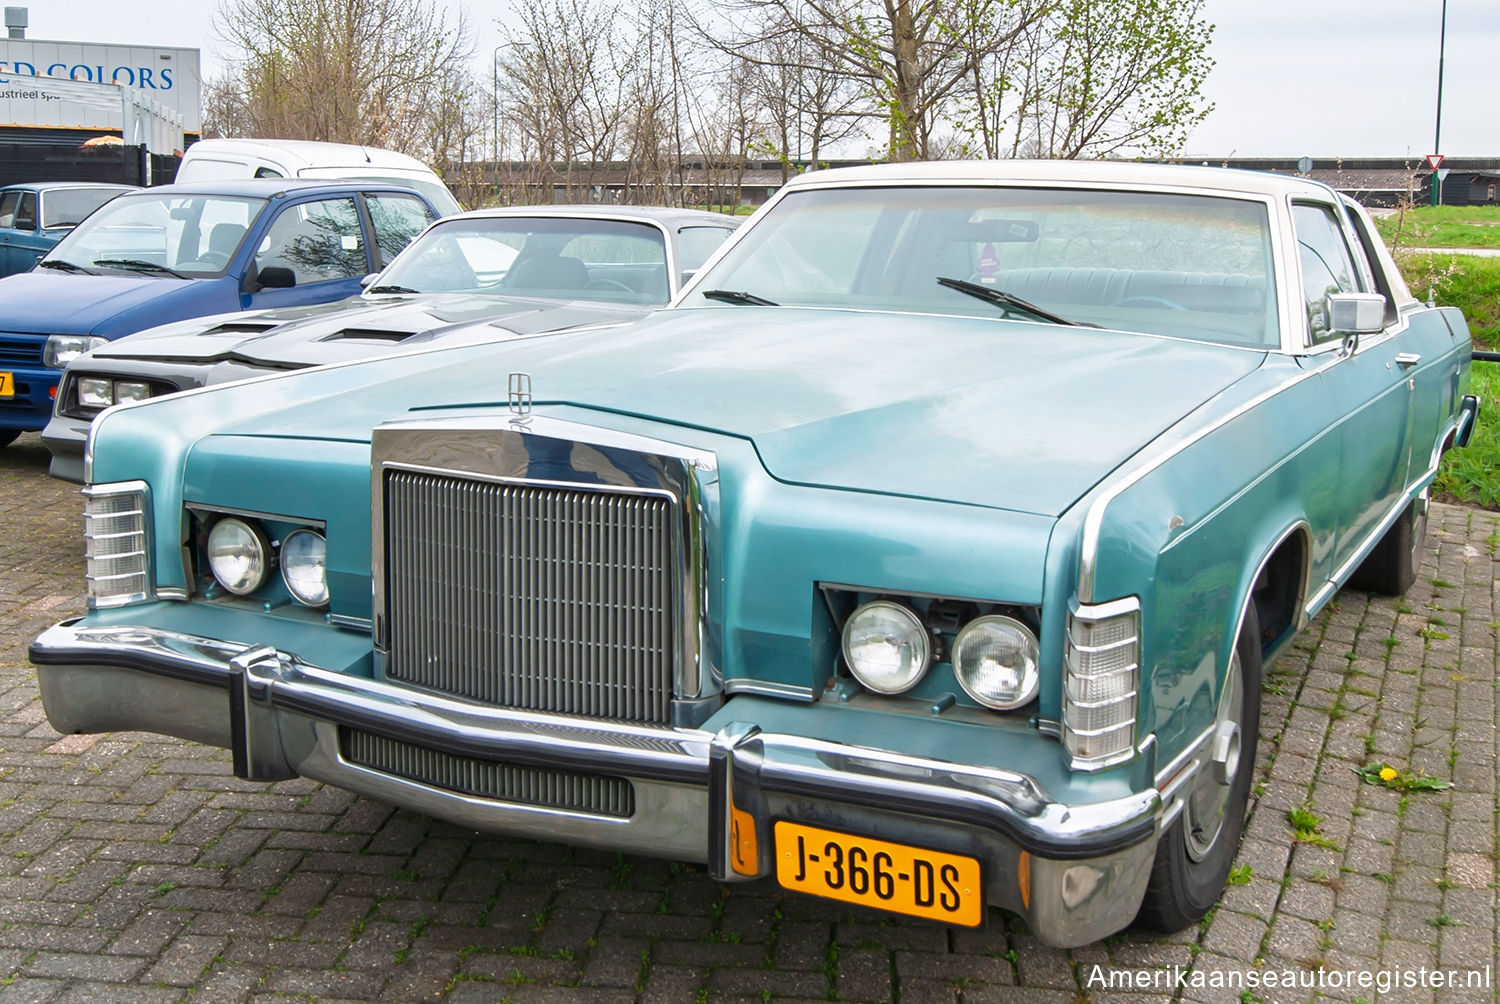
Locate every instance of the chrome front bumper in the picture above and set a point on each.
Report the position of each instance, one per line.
(1075, 872)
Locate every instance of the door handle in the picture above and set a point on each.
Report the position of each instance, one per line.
(1406, 360)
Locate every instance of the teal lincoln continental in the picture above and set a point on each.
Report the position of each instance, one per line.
(924, 554)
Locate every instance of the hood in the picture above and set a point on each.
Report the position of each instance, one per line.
(295, 337)
(999, 413)
(46, 301)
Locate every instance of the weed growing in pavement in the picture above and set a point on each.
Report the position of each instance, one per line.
(1386, 776)
(1240, 875)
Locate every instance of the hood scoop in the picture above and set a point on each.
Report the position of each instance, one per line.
(368, 335)
(241, 328)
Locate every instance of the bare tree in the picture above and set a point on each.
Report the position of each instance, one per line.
(354, 71)
(908, 56)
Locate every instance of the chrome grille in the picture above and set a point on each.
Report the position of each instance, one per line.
(605, 796)
(532, 597)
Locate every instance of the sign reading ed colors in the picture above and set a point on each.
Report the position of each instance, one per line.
(166, 75)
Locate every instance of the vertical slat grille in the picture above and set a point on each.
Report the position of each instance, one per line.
(607, 796)
(545, 599)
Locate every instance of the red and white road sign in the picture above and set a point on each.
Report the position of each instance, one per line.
(1434, 161)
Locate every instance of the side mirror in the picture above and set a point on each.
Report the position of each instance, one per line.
(276, 277)
(1355, 313)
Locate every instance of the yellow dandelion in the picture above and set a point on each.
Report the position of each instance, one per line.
(1389, 773)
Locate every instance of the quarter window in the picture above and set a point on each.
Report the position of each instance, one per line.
(318, 241)
(1326, 265)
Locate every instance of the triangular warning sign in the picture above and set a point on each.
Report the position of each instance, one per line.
(1434, 161)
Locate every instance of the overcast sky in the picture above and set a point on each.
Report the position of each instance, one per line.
(1322, 78)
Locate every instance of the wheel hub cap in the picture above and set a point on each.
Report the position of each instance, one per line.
(1208, 802)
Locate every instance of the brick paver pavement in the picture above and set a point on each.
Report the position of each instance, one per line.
(134, 867)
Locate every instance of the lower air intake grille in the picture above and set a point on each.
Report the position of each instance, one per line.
(553, 789)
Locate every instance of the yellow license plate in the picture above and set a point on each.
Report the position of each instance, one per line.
(875, 873)
(7, 385)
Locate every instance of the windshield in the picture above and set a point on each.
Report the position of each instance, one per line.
(574, 259)
(192, 236)
(66, 207)
(1184, 265)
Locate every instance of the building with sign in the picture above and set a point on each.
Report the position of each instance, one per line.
(56, 92)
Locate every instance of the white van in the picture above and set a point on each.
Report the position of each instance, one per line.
(218, 159)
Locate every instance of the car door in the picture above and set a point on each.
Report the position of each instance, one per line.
(318, 243)
(1363, 378)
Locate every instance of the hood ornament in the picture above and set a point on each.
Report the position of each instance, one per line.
(518, 394)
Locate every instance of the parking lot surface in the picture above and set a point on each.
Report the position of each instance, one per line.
(138, 868)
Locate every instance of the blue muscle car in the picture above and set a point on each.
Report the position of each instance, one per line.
(925, 555)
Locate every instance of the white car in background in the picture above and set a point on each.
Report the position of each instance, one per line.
(220, 159)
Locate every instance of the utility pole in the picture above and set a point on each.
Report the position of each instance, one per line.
(1437, 133)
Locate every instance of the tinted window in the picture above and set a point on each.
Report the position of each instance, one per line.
(318, 241)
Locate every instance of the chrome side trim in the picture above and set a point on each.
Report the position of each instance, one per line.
(364, 625)
(1341, 576)
(762, 688)
(1088, 557)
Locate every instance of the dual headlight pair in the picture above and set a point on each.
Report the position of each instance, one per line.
(101, 392)
(995, 658)
(240, 558)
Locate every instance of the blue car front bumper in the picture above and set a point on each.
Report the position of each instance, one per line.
(30, 405)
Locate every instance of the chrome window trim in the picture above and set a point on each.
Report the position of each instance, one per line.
(469, 446)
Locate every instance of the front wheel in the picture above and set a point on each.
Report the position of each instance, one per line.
(1194, 855)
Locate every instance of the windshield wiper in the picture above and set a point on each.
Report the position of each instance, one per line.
(137, 266)
(1004, 299)
(738, 296)
(391, 289)
(64, 266)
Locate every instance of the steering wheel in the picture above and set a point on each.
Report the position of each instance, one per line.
(212, 259)
(1148, 301)
(614, 285)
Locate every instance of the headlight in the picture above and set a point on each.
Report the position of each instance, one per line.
(304, 567)
(238, 556)
(130, 390)
(63, 349)
(95, 393)
(996, 661)
(886, 647)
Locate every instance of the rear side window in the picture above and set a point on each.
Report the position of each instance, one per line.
(318, 241)
(397, 219)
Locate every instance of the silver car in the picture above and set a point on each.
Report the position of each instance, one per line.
(483, 276)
